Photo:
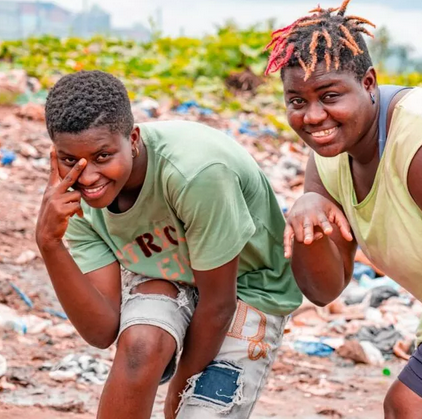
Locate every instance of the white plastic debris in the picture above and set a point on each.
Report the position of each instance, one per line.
(3, 366)
(62, 330)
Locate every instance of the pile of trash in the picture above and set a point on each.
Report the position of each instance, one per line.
(83, 367)
(372, 322)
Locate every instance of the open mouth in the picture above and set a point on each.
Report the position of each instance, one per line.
(324, 136)
(93, 193)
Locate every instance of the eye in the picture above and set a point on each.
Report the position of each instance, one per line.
(69, 161)
(330, 97)
(297, 101)
(103, 157)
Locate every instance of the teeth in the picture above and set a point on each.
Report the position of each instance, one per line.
(324, 133)
(93, 190)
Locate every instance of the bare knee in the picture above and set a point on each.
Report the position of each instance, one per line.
(156, 286)
(143, 348)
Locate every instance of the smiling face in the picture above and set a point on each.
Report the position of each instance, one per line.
(331, 111)
(109, 162)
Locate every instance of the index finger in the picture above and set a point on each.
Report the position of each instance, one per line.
(342, 223)
(72, 176)
(54, 178)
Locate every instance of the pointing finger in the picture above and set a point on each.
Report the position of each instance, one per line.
(73, 175)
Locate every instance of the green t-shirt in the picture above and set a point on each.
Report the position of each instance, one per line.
(204, 201)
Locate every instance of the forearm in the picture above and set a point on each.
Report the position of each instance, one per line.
(95, 318)
(205, 336)
(319, 270)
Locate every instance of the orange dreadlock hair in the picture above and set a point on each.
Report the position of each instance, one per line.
(327, 35)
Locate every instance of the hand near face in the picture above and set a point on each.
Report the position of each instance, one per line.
(58, 204)
(310, 218)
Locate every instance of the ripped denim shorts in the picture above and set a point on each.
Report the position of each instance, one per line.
(231, 384)
(169, 314)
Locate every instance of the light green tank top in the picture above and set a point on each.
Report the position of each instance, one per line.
(388, 223)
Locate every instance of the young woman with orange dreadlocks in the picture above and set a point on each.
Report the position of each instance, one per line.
(362, 182)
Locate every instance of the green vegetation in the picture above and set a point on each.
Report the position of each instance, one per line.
(179, 69)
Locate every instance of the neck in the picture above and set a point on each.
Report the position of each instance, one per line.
(139, 171)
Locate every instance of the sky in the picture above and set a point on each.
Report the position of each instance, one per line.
(196, 17)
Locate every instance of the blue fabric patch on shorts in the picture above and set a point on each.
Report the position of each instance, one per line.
(218, 383)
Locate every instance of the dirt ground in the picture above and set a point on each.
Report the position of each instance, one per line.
(300, 386)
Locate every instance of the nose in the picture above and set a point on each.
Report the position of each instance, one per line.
(315, 114)
(89, 175)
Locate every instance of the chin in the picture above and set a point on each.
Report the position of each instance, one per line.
(101, 203)
(329, 150)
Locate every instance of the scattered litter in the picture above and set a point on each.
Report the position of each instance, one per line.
(11, 321)
(332, 413)
(70, 407)
(380, 294)
(7, 157)
(22, 295)
(83, 368)
(25, 257)
(59, 314)
(313, 348)
(186, 107)
(372, 353)
(3, 366)
(62, 376)
(383, 338)
(372, 323)
(62, 330)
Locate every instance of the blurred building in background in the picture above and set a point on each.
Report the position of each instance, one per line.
(91, 22)
(21, 19)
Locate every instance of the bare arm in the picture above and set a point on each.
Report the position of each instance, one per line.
(208, 328)
(323, 247)
(91, 301)
(414, 177)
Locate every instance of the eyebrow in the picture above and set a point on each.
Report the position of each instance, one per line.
(322, 87)
(101, 149)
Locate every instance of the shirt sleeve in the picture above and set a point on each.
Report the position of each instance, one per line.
(87, 248)
(216, 217)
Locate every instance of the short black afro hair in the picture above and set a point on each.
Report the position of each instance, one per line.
(88, 99)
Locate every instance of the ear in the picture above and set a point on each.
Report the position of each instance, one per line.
(135, 136)
(369, 80)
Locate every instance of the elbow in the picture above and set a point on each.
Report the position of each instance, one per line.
(101, 341)
(101, 344)
(321, 299)
(222, 312)
(320, 302)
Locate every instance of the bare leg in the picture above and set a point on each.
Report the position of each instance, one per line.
(142, 355)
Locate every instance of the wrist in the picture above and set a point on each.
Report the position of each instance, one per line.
(48, 244)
